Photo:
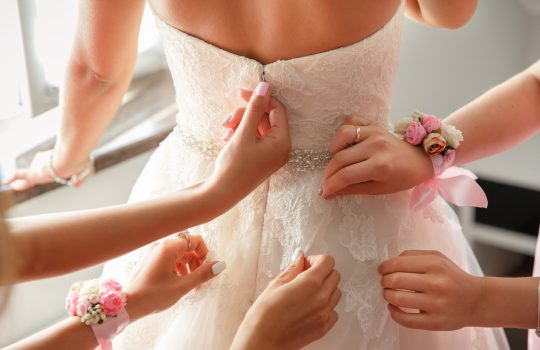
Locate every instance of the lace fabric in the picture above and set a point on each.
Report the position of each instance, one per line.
(258, 236)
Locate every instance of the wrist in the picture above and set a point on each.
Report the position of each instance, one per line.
(220, 196)
(481, 313)
(250, 335)
(66, 165)
(136, 307)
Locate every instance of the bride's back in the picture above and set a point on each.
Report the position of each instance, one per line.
(279, 29)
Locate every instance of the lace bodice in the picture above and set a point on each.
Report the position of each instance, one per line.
(257, 237)
(318, 90)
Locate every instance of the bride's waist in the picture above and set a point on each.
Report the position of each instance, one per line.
(300, 159)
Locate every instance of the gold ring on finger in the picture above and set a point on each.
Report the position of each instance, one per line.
(185, 235)
(357, 136)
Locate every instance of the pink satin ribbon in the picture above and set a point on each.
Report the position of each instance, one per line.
(106, 331)
(456, 185)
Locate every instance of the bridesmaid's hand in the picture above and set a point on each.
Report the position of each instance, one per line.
(166, 273)
(443, 296)
(379, 163)
(248, 158)
(296, 309)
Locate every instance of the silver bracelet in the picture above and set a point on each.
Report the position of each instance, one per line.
(73, 179)
(537, 331)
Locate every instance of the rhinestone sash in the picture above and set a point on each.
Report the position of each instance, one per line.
(300, 160)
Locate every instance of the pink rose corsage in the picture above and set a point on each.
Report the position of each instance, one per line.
(439, 140)
(94, 300)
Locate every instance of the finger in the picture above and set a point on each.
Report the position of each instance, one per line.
(368, 187)
(264, 126)
(320, 266)
(332, 319)
(21, 185)
(194, 263)
(234, 119)
(406, 299)
(198, 246)
(413, 252)
(411, 264)
(202, 274)
(17, 175)
(277, 117)
(181, 268)
(255, 110)
(408, 319)
(347, 176)
(293, 270)
(331, 283)
(245, 94)
(405, 281)
(346, 135)
(357, 120)
(335, 297)
(351, 155)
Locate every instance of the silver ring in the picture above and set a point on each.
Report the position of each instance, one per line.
(185, 234)
(357, 137)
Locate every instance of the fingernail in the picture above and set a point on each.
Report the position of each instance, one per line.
(296, 254)
(261, 89)
(227, 120)
(228, 135)
(219, 267)
(320, 191)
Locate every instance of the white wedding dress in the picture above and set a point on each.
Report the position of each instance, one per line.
(258, 236)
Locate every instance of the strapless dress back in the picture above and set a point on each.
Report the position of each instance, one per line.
(258, 236)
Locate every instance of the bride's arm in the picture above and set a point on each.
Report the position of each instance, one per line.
(98, 73)
(441, 13)
(53, 244)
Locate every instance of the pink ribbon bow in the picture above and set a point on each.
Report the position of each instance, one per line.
(456, 185)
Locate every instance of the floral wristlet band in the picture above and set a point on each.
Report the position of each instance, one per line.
(440, 140)
(101, 305)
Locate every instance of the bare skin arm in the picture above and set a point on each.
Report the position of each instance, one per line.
(98, 73)
(53, 244)
(441, 13)
(511, 111)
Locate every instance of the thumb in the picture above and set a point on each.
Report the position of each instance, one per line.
(203, 273)
(255, 110)
(20, 184)
(293, 270)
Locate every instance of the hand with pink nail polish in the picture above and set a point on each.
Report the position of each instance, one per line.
(251, 153)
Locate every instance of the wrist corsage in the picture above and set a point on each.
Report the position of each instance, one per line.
(101, 305)
(439, 140)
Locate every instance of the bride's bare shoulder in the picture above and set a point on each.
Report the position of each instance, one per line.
(278, 29)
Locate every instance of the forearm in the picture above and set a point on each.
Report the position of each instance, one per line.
(507, 302)
(67, 334)
(89, 102)
(54, 244)
(71, 333)
(503, 117)
(98, 73)
(441, 13)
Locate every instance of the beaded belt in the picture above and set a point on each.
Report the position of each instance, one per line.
(299, 159)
